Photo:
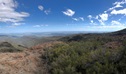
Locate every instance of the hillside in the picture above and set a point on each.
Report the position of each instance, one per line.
(7, 47)
(73, 54)
(27, 61)
(88, 54)
(121, 32)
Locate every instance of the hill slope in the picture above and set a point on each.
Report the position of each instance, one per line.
(7, 47)
(26, 62)
(121, 32)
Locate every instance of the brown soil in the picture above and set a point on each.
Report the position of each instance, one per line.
(27, 62)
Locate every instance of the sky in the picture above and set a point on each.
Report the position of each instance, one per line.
(18, 16)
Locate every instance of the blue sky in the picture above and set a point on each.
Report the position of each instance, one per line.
(61, 15)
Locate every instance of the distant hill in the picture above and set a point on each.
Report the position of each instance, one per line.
(5, 44)
(82, 37)
(91, 36)
(7, 47)
(120, 32)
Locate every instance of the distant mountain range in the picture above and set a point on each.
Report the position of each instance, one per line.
(47, 34)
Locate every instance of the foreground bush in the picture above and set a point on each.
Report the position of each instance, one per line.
(86, 58)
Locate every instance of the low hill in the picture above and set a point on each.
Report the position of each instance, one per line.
(120, 32)
(88, 54)
(7, 47)
(28, 61)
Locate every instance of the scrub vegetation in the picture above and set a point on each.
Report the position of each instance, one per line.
(88, 54)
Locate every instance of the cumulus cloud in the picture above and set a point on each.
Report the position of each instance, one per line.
(78, 19)
(117, 5)
(69, 12)
(120, 2)
(81, 18)
(104, 16)
(40, 7)
(101, 18)
(90, 16)
(100, 21)
(8, 12)
(123, 11)
(75, 19)
(47, 11)
(92, 21)
(97, 17)
(116, 23)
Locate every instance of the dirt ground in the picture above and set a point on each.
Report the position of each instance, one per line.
(27, 62)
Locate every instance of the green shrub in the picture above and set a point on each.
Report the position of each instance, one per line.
(87, 57)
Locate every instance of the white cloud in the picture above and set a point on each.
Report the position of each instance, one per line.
(78, 19)
(69, 12)
(17, 24)
(101, 18)
(92, 21)
(47, 11)
(117, 5)
(75, 19)
(90, 16)
(123, 11)
(37, 26)
(97, 17)
(81, 18)
(40, 7)
(104, 16)
(8, 13)
(120, 3)
(116, 23)
(101, 22)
